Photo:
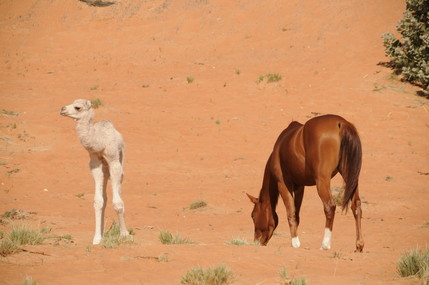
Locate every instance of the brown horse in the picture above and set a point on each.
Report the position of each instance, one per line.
(306, 155)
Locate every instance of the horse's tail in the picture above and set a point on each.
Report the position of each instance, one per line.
(350, 160)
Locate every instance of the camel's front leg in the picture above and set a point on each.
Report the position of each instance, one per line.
(100, 180)
(116, 173)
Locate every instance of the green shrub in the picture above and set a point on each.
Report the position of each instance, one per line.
(167, 238)
(197, 204)
(410, 55)
(112, 238)
(22, 235)
(211, 276)
(414, 263)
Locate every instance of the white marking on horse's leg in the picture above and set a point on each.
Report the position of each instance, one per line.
(326, 243)
(295, 242)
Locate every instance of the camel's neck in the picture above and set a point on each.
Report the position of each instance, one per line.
(84, 127)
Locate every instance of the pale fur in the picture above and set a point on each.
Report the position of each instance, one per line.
(106, 148)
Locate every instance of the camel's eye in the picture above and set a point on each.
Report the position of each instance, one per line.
(77, 108)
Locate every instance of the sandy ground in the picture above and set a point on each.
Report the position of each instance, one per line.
(208, 139)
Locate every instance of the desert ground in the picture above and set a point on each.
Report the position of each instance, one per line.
(181, 80)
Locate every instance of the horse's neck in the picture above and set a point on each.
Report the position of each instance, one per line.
(269, 193)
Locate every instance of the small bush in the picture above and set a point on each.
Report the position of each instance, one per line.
(96, 103)
(288, 281)
(112, 238)
(410, 55)
(211, 276)
(414, 263)
(198, 204)
(22, 236)
(8, 247)
(167, 238)
(271, 77)
(28, 281)
(189, 79)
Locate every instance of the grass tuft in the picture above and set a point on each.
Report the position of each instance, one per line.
(21, 235)
(167, 238)
(8, 247)
(270, 77)
(414, 263)
(189, 79)
(28, 280)
(198, 204)
(113, 239)
(285, 279)
(213, 276)
(98, 3)
(96, 103)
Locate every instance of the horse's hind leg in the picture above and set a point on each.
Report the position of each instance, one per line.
(324, 191)
(357, 213)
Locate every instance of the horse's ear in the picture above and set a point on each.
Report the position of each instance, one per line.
(252, 199)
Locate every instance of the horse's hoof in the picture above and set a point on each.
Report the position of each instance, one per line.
(359, 246)
(295, 242)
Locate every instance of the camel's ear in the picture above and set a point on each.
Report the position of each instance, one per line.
(88, 104)
(252, 199)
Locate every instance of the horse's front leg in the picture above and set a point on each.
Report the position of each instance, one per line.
(324, 191)
(288, 200)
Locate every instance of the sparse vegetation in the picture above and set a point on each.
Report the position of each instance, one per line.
(112, 238)
(167, 238)
(338, 195)
(189, 79)
(410, 55)
(98, 3)
(211, 276)
(240, 241)
(270, 77)
(28, 280)
(14, 214)
(96, 103)
(197, 204)
(414, 263)
(8, 113)
(21, 235)
(286, 280)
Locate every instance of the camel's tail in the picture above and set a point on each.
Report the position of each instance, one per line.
(350, 160)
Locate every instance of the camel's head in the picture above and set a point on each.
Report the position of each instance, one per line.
(77, 110)
(264, 219)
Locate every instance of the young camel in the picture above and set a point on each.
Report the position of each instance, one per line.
(106, 151)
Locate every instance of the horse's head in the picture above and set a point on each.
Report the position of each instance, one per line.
(265, 220)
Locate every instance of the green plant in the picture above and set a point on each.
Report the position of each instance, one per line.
(22, 235)
(197, 204)
(410, 55)
(8, 247)
(97, 3)
(8, 113)
(112, 238)
(271, 77)
(167, 238)
(96, 103)
(288, 281)
(28, 281)
(212, 276)
(414, 263)
(189, 79)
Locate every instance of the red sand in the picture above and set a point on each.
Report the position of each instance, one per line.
(208, 139)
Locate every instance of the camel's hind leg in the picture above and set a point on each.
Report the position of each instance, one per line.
(357, 213)
(100, 174)
(116, 172)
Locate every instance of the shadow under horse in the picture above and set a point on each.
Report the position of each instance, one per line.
(306, 155)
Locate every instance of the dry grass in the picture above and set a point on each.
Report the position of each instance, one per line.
(212, 276)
